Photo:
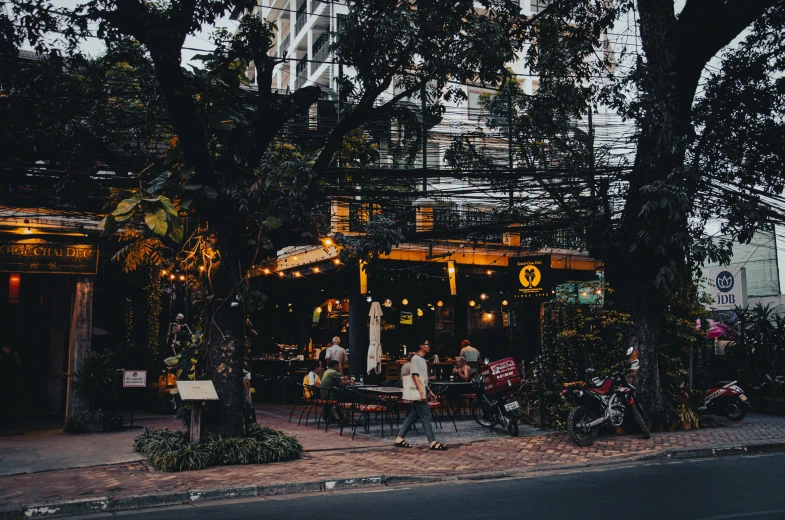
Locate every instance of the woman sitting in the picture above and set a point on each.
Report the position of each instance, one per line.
(312, 379)
(462, 371)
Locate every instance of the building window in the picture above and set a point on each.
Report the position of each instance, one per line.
(538, 6)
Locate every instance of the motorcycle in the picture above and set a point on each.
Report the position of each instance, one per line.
(608, 401)
(724, 398)
(502, 408)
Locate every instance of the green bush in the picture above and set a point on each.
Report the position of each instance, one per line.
(75, 424)
(173, 451)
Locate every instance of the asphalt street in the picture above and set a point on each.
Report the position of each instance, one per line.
(699, 489)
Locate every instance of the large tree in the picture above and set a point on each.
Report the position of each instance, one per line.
(227, 172)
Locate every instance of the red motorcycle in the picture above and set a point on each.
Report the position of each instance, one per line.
(724, 398)
(607, 401)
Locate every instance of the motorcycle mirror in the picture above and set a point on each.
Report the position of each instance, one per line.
(630, 350)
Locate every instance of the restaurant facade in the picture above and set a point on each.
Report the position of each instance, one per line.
(490, 292)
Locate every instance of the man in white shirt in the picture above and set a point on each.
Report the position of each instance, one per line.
(469, 353)
(418, 369)
(338, 353)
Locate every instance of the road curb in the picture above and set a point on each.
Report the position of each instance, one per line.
(719, 451)
(115, 504)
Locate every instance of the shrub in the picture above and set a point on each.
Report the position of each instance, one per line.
(173, 451)
(75, 424)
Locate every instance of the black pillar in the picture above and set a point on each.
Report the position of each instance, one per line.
(358, 329)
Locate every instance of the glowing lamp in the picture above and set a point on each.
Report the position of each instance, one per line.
(405, 301)
(439, 303)
(472, 303)
(14, 281)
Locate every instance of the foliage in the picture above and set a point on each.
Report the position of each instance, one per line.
(759, 348)
(574, 334)
(172, 451)
(687, 416)
(95, 376)
(75, 424)
(382, 234)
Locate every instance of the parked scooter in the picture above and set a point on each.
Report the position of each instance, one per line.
(501, 408)
(605, 401)
(724, 398)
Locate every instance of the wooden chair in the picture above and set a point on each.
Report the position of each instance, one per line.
(393, 372)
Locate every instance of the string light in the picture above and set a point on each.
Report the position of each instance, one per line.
(328, 241)
(472, 303)
(419, 312)
(316, 269)
(483, 296)
(266, 271)
(163, 272)
(171, 277)
(182, 277)
(297, 274)
(281, 274)
(489, 316)
(489, 272)
(439, 303)
(504, 302)
(318, 310)
(405, 302)
(201, 268)
(337, 261)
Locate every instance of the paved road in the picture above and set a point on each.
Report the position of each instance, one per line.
(701, 489)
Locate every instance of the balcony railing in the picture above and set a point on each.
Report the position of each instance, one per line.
(285, 46)
(302, 16)
(321, 55)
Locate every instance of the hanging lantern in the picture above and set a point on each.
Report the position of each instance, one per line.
(14, 281)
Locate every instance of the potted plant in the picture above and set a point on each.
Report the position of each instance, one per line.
(687, 417)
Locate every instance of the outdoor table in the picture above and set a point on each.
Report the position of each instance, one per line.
(391, 390)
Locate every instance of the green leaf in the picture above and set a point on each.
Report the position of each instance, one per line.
(209, 192)
(171, 361)
(176, 229)
(123, 218)
(157, 222)
(126, 206)
(192, 187)
(272, 222)
(168, 206)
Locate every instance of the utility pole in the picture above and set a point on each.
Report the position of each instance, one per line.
(424, 141)
(509, 144)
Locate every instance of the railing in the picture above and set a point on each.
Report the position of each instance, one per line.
(302, 16)
(321, 55)
(285, 46)
(361, 212)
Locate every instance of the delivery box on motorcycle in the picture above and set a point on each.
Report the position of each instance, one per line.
(500, 376)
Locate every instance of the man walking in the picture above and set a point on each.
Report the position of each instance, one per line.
(337, 353)
(419, 408)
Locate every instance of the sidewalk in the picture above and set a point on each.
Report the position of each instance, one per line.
(330, 459)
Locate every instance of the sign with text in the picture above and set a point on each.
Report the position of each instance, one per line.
(37, 256)
(134, 378)
(197, 391)
(729, 287)
(531, 277)
(407, 318)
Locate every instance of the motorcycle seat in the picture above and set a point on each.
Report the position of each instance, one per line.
(602, 390)
(716, 384)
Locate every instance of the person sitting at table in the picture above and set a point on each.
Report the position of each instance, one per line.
(311, 379)
(469, 353)
(330, 380)
(462, 371)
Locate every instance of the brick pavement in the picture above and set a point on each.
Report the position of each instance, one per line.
(504, 454)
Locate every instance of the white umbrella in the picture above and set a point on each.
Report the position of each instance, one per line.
(375, 347)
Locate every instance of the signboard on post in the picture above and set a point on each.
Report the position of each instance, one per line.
(39, 256)
(729, 287)
(531, 277)
(134, 378)
(195, 392)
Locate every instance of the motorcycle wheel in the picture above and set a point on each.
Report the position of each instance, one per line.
(735, 411)
(641, 423)
(580, 437)
(512, 427)
(480, 415)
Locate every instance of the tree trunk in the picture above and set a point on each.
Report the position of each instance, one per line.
(224, 326)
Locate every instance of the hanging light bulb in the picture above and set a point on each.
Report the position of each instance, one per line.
(171, 276)
(337, 261)
(182, 277)
(297, 274)
(388, 302)
(489, 316)
(472, 303)
(489, 272)
(316, 269)
(419, 312)
(439, 303)
(328, 241)
(405, 301)
(281, 274)
(201, 268)
(483, 296)
(318, 310)
(266, 271)
(163, 272)
(504, 302)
